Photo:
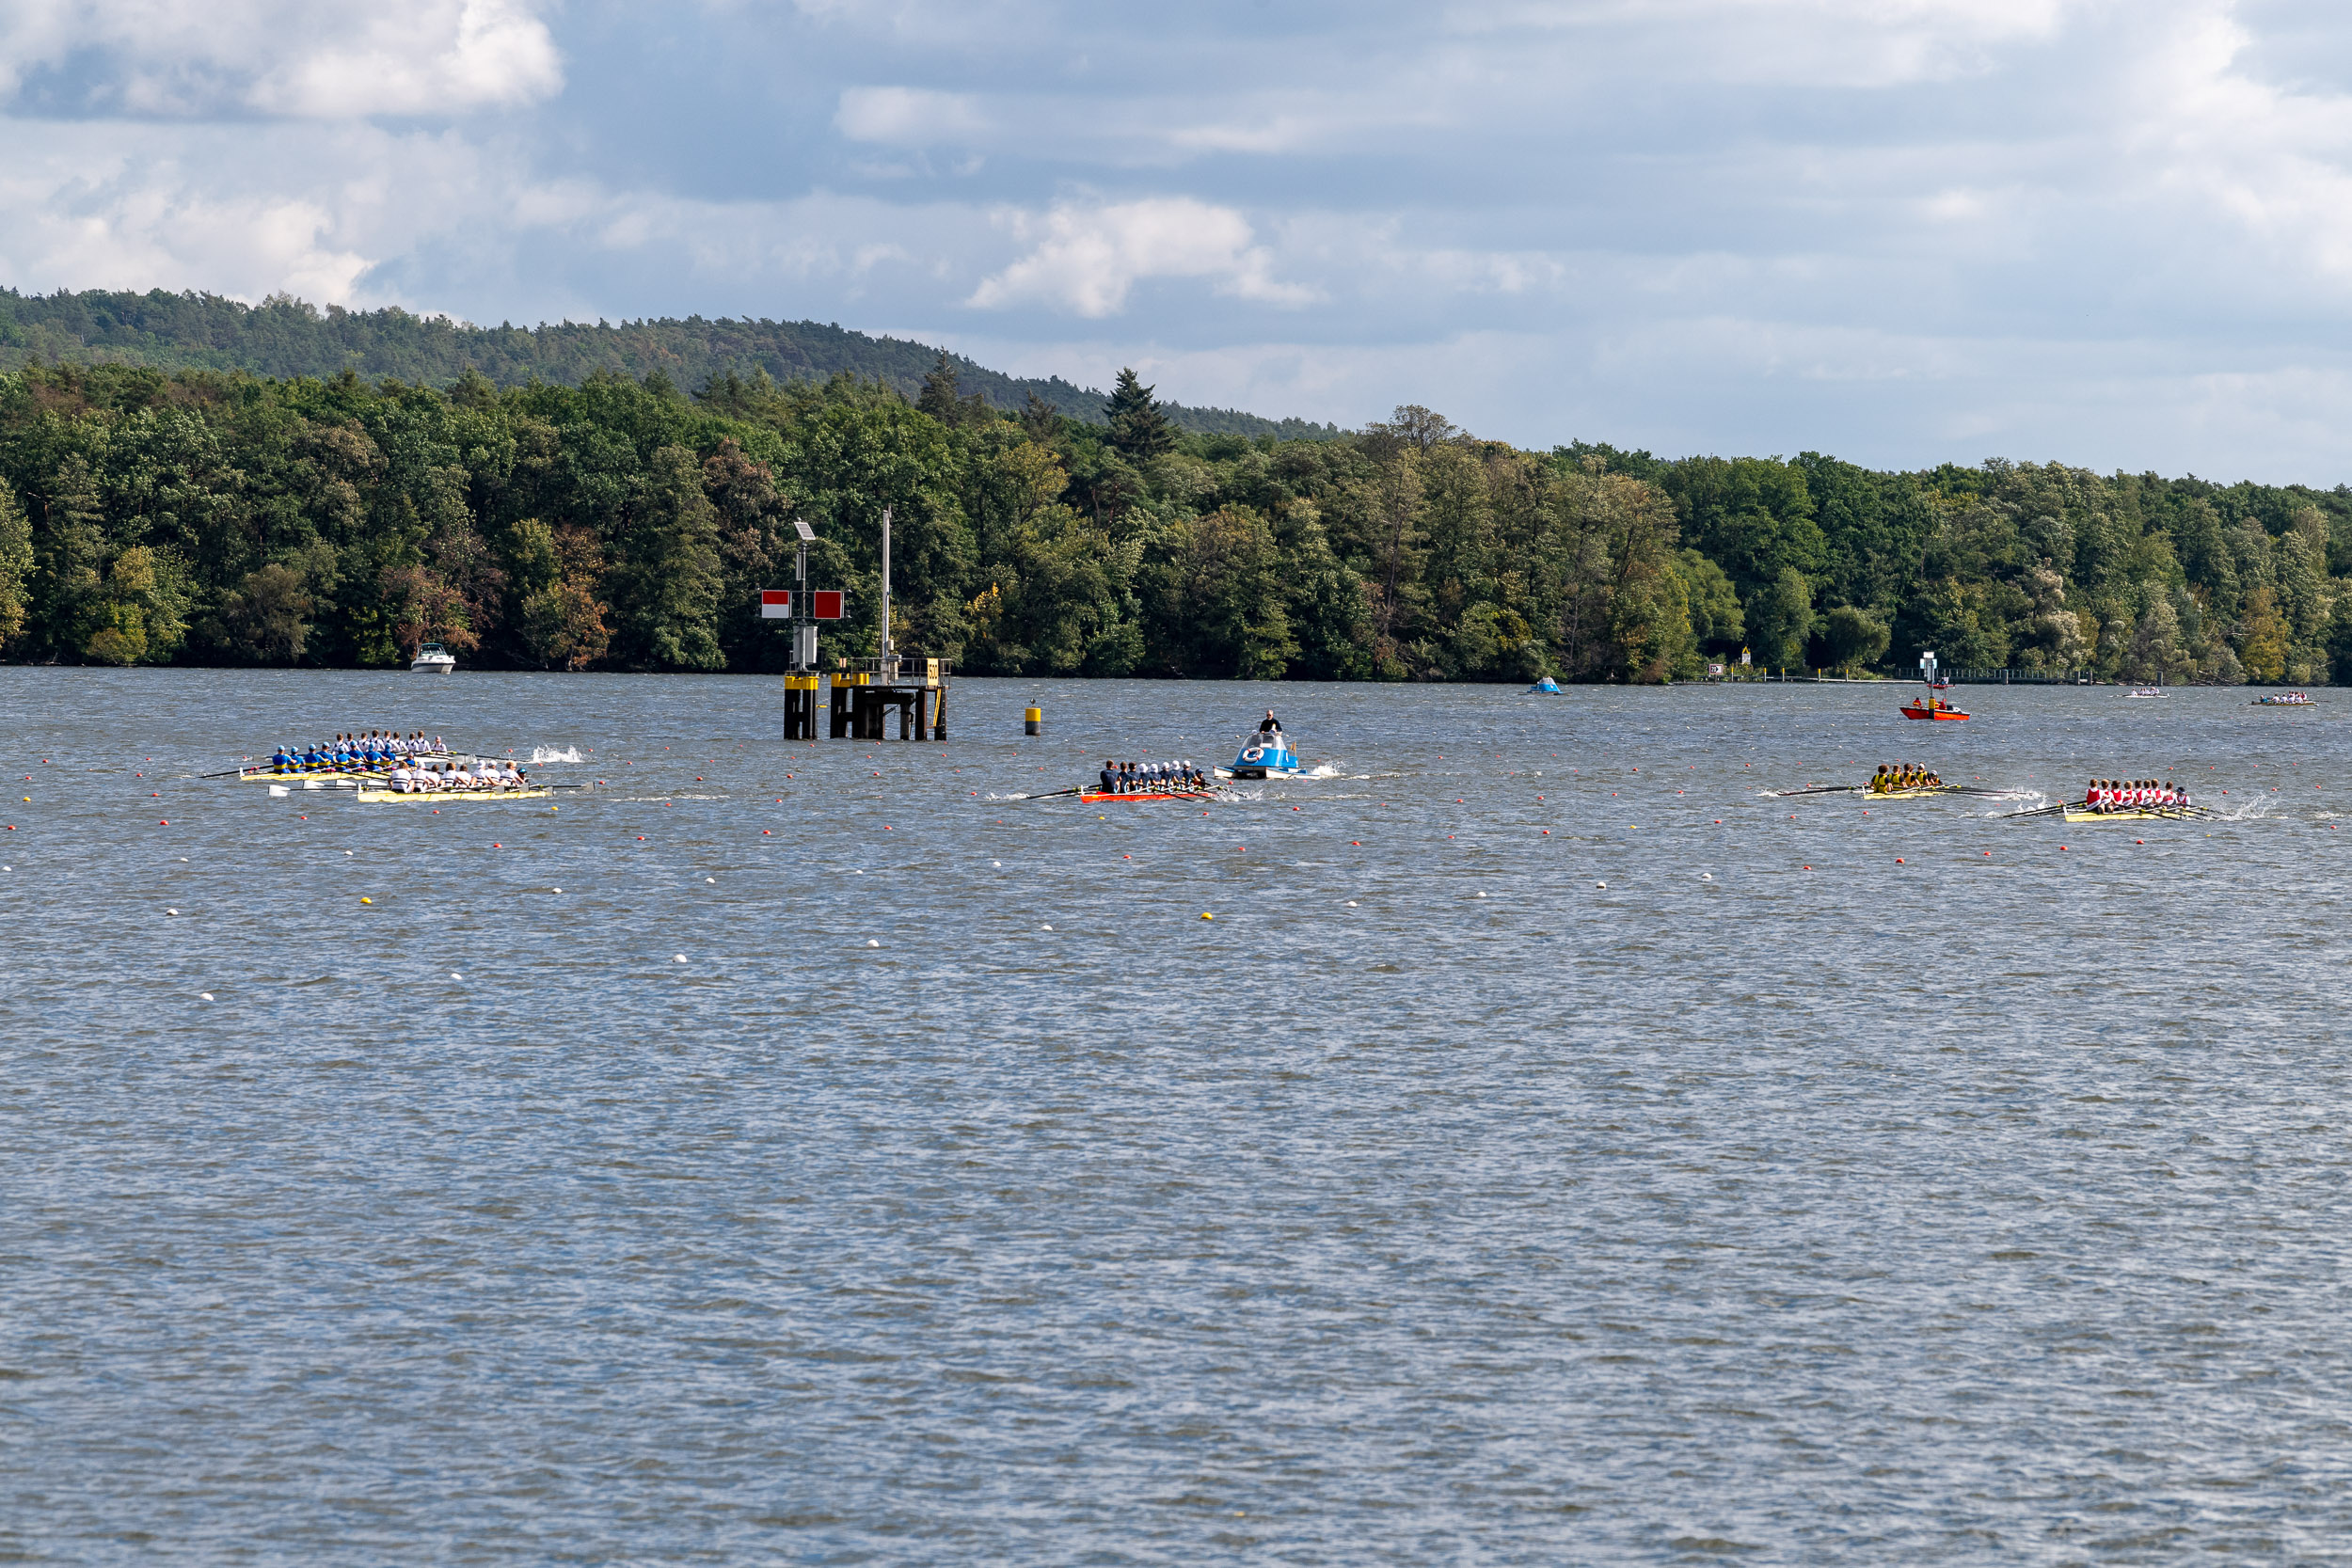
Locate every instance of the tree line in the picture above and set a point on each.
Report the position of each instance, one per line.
(209, 517)
(287, 337)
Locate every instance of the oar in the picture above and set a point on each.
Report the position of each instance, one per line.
(1817, 790)
(2037, 811)
(1051, 793)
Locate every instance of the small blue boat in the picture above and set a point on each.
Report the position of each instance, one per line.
(1547, 687)
(1267, 754)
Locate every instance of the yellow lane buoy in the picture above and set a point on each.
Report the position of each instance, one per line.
(367, 900)
(1206, 915)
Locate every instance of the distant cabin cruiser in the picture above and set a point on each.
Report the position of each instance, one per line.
(434, 660)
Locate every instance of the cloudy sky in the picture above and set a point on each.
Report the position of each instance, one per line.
(2116, 232)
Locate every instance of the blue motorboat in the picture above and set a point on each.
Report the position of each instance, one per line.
(1546, 686)
(1267, 754)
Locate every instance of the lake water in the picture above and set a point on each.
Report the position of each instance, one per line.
(1838, 1185)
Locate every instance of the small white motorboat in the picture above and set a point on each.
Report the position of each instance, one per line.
(2144, 692)
(434, 660)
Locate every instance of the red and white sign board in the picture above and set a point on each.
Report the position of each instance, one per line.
(776, 604)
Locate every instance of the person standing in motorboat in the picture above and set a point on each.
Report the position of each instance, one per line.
(1269, 724)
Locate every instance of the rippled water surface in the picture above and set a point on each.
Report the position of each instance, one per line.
(850, 1164)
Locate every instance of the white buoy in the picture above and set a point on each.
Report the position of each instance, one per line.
(346, 851)
(555, 890)
(1600, 884)
(1351, 903)
(454, 976)
(1481, 895)
(205, 994)
(711, 878)
(998, 865)
(1706, 876)
(679, 958)
(1044, 927)
(171, 911)
(872, 942)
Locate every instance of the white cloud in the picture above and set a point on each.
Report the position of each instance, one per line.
(297, 58)
(1086, 259)
(908, 117)
(1851, 44)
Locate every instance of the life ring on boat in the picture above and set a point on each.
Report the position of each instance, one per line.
(1253, 754)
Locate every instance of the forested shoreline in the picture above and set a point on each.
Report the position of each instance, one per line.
(202, 517)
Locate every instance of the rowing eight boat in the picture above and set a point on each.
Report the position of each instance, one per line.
(444, 797)
(2168, 814)
(1096, 797)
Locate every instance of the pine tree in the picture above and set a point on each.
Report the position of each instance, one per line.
(940, 399)
(1039, 420)
(1138, 429)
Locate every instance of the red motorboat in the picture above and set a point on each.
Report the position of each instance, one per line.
(1931, 707)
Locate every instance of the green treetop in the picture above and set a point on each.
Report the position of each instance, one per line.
(1138, 429)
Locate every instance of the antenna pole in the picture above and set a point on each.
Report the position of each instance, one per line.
(891, 669)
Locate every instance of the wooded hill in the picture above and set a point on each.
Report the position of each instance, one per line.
(285, 337)
(623, 523)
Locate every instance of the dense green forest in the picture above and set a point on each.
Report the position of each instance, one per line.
(622, 523)
(286, 337)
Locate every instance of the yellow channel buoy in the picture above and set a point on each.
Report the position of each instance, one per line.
(1206, 915)
(367, 900)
